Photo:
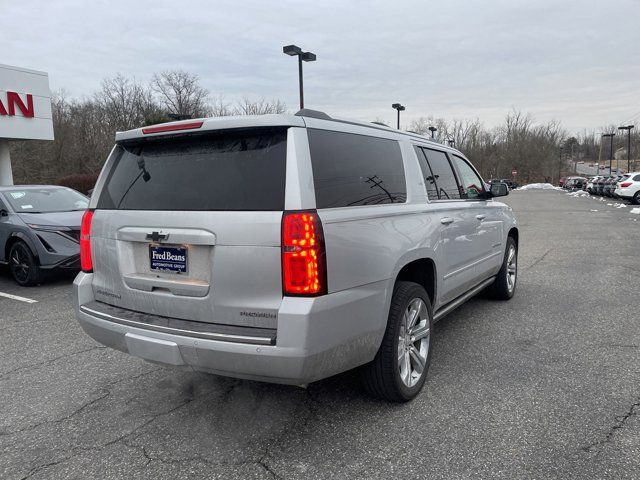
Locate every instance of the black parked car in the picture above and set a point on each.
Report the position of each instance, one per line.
(509, 183)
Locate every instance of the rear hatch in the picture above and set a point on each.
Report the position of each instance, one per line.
(188, 226)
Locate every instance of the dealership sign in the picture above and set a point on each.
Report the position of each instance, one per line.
(25, 104)
(14, 101)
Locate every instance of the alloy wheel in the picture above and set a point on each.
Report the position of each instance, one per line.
(512, 268)
(413, 342)
(20, 263)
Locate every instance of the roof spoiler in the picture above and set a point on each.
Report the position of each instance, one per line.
(306, 112)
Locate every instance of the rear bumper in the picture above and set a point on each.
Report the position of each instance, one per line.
(624, 193)
(316, 338)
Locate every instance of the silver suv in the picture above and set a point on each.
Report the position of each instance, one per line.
(288, 248)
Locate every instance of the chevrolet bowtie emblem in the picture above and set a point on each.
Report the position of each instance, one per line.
(157, 236)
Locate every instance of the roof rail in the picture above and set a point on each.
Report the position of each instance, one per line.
(306, 112)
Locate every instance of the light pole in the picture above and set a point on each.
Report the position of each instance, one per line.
(610, 135)
(433, 131)
(399, 108)
(293, 51)
(628, 129)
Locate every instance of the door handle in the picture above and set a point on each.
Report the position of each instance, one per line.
(481, 217)
(446, 220)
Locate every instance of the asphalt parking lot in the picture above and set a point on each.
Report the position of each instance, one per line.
(544, 386)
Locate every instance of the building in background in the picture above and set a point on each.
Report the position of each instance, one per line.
(25, 112)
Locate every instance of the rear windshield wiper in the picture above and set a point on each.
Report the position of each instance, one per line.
(146, 176)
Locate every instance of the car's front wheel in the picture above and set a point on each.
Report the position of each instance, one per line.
(399, 370)
(23, 265)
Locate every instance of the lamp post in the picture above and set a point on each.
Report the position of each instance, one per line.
(433, 131)
(610, 135)
(628, 129)
(399, 108)
(293, 51)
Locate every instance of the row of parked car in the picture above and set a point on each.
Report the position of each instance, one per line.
(624, 186)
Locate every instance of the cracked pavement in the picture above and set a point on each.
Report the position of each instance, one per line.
(544, 386)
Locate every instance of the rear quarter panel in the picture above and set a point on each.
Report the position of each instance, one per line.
(369, 245)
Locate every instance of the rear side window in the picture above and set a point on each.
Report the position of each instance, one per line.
(427, 174)
(219, 171)
(445, 179)
(351, 170)
(472, 184)
(636, 178)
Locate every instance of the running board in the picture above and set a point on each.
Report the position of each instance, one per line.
(449, 307)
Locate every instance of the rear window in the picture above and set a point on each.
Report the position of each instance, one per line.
(220, 171)
(350, 170)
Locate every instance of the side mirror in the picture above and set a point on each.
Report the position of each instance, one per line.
(3, 213)
(499, 190)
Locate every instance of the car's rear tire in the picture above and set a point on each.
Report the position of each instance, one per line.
(636, 198)
(400, 367)
(505, 284)
(23, 265)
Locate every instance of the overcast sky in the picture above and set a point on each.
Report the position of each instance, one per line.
(573, 61)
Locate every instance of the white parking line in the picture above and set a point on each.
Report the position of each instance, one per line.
(16, 297)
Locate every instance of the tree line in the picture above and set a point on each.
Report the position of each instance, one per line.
(84, 132)
(84, 128)
(519, 144)
(538, 152)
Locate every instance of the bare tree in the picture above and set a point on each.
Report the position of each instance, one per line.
(218, 107)
(259, 107)
(180, 93)
(422, 124)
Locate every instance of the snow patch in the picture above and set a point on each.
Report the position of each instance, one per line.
(539, 186)
(635, 211)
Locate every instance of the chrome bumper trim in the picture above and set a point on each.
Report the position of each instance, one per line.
(268, 339)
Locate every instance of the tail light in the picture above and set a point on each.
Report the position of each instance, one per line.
(304, 263)
(626, 184)
(86, 262)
